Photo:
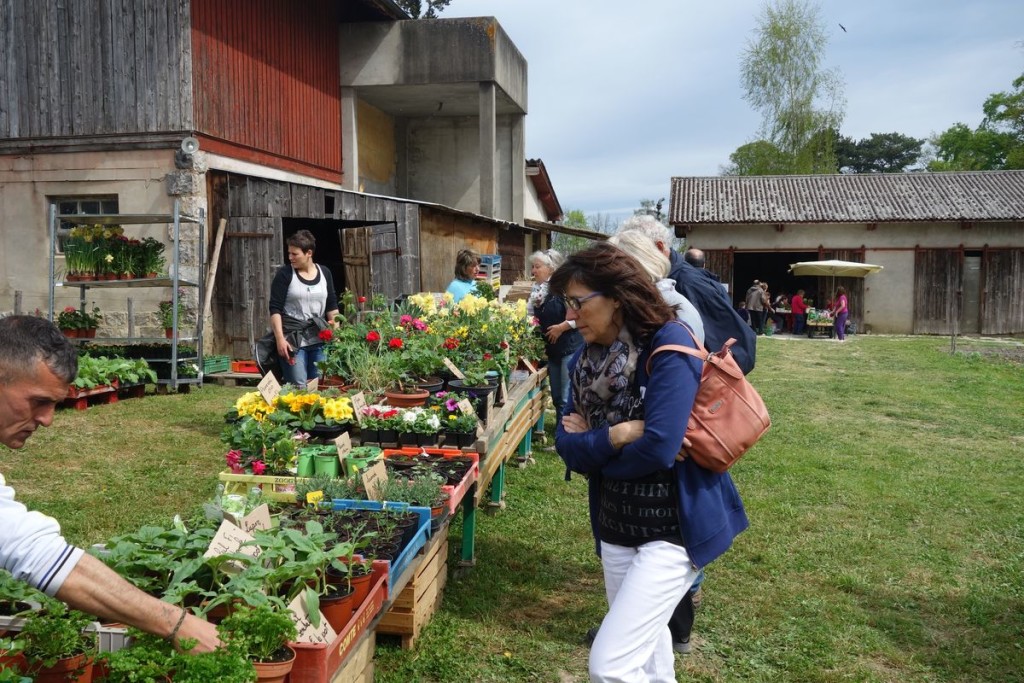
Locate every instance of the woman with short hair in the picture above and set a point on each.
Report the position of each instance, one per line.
(560, 334)
(466, 263)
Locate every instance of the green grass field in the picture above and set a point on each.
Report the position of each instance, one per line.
(886, 539)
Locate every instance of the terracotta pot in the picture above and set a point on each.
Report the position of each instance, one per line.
(89, 333)
(109, 276)
(77, 669)
(151, 275)
(337, 608)
(86, 277)
(169, 332)
(124, 276)
(406, 400)
(70, 334)
(274, 672)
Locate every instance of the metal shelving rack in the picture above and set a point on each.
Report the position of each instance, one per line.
(174, 281)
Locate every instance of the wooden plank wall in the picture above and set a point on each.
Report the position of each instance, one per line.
(256, 207)
(443, 234)
(1002, 291)
(512, 247)
(720, 262)
(267, 76)
(938, 278)
(94, 68)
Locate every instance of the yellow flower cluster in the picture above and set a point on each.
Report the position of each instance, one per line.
(296, 402)
(253, 404)
(338, 409)
(425, 302)
(471, 305)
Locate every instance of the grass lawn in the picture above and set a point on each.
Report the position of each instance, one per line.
(886, 539)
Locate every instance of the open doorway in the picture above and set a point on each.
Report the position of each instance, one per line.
(773, 267)
(328, 245)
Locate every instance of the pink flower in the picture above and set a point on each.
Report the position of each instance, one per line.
(405, 319)
(419, 325)
(258, 467)
(451, 405)
(233, 458)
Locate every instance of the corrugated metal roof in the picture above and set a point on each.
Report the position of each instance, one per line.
(855, 198)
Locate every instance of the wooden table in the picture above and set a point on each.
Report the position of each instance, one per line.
(823, 329)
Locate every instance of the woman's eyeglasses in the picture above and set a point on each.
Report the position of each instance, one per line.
(576, 302)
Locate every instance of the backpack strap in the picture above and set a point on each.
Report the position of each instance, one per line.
(699, 352)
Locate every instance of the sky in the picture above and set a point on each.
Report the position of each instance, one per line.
(625, 95)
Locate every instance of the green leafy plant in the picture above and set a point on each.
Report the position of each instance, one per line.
(257, 633)
(151, 258)
(56, 632)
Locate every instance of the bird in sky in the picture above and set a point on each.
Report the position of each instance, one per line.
(842, 27)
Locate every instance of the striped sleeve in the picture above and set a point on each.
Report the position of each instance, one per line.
(31, 545)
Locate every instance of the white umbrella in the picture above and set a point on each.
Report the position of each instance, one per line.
(833, 268)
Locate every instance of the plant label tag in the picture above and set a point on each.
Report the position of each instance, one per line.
(374, 477)
(502, 391)
(358, 405)
(453, 369)
(344, 444)
(314, 497)
(308, 632)
(313, 384)
(528, 364)
(257, 520)
(466, 407)
(269, 388)
(230, 539)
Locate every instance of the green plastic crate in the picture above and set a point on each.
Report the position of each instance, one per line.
(216, 364)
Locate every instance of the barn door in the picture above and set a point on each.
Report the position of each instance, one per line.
(938, 279)
(1002, 305)
(720, 262)
(252, 255)
(370, 254)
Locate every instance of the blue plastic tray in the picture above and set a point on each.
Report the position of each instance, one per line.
(401, 563)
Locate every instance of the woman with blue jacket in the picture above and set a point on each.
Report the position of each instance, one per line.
(657, 520)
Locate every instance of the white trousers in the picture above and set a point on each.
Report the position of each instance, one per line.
(644, 585)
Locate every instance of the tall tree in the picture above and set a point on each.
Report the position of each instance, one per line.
(568, 244)
(784, 79)
(880, 153)
(997, 143)
(758, 158)
(649, 207)
(418, 9)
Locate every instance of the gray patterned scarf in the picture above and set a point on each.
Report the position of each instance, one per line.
(602, 380)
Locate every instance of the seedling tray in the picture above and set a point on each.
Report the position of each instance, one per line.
(457, 492)
(401, 562)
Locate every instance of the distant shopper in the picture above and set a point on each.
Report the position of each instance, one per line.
(799, 309)
(560, 335)
(467, 262)
(303, 304)
(840, 311)
(755, 306)
(741, 308)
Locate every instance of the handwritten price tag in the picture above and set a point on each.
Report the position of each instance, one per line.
(309, 632)
(453, 369)
(258, 519)
(358, 404)
(313, 384)
(466, 407)
(374, 477)
(269, 388)
(230, 539)
(344, 444)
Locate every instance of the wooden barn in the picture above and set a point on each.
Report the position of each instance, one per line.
(321, 115)
(951, 244)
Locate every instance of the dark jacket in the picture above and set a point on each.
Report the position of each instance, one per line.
(552, 312)
(710, 510)
(721, 321)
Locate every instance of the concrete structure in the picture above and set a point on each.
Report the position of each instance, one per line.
(441, 105)
(952, 244)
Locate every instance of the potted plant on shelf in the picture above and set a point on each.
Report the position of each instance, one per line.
(57, 646)
(151, 257)
(379, 424)
(69, 321)
(166, 313)
(259, 447)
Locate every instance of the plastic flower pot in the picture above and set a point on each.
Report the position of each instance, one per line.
(306, 466)
(327, 464)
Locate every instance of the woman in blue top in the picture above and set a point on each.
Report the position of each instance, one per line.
(466, 264)
(657, 520)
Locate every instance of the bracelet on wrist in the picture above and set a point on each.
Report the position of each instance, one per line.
(177, 626)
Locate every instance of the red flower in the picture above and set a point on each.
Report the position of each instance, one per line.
(362, 299)
(258, 467)
(451, 343)
(395, 343)
(503, 345)
(373, 336)
(326, 335)
(488, 356)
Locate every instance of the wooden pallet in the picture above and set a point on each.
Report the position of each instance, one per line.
(88, 397)
(421, 597)
(232, 379)
(358, 666)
